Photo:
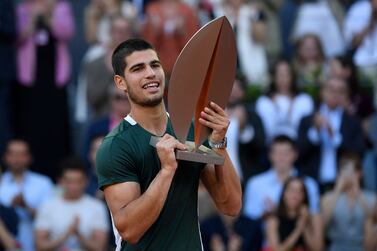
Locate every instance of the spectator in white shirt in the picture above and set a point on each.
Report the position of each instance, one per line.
(282, 108)
(73, 221)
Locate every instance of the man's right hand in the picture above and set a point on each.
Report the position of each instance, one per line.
(74, 227)
(18, 201)
(165, 150)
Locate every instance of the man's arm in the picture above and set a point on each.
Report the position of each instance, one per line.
(43, 242)
(6, 238)
(96, 242)
(133, 212)
(222, 182)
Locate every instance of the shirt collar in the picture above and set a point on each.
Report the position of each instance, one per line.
(8, 176)
(274, 174)
(130, 120)
(326, 110)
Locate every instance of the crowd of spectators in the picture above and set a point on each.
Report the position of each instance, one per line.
(302, 137)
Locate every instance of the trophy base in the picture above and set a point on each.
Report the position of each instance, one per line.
(202, 155)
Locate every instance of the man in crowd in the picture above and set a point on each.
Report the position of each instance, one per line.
(22, 189)
(73, 221)
(263, 191)
(328, 132)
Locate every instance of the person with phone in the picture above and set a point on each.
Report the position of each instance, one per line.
(346, 209)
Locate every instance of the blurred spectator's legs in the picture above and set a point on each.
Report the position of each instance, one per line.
(41, 114)
(8, 35)
(78, 47)
(5, 129)
(375, 173)
(369, 171)
(287, 20)
(251, 232)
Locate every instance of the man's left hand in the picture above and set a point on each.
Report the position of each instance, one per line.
(215, 118)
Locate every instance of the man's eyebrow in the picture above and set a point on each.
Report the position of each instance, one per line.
(155, 61)
(136, 66)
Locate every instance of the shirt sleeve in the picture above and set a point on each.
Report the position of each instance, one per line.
(253, 205)
(313, 135)
(115, 162)
(101, 219)
(42, 219)
(313, 193)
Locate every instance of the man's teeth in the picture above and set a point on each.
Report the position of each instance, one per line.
(150, 85)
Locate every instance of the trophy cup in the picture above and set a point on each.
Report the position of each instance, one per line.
(204, 71)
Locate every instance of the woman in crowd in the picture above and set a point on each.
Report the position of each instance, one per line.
(347, 208)
(45, 28)
(292, 227)
(309, 61)
(282, 108)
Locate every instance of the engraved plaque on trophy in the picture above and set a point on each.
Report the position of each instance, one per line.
(204, 72)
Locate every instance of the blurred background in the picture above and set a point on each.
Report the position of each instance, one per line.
(303, 132)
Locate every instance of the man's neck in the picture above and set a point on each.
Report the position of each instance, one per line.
(152, 119)
(18, 176)
(332, 109)
(283, 175)
(71, 198)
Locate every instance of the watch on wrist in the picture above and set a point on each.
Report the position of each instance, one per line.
(218, 145)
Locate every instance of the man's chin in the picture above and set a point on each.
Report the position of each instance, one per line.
(151, 102)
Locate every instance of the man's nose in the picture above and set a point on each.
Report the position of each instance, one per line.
(150, 72)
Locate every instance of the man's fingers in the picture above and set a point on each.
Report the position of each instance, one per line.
(212, 116)
(217, 108)
(181, 146)
(208, 116)
(168, 141)
(215, 113)
(214, 126)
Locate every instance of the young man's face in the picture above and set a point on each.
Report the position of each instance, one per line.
(282, 156)
(17, 156)
(73, 183)
(334, 93)
(144, 78)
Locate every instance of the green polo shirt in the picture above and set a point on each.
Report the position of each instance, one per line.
(126, 155)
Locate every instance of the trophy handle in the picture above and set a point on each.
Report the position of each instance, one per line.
(202, 155)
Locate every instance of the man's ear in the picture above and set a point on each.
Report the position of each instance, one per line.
(120, 82)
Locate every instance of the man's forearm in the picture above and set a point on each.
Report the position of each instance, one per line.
(224, 185)
(6, 239)
(95, 243)
(44, 244)
(136, 218)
